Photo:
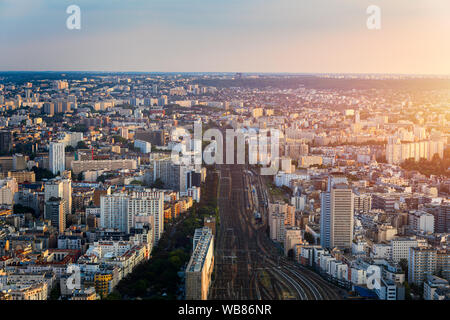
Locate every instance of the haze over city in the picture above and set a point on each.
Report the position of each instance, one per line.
(324, 36)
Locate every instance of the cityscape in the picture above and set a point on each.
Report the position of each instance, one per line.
(230, 185)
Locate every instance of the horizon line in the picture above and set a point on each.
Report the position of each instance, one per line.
(235, 72)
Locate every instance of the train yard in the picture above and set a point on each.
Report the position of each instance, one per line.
(248, 265)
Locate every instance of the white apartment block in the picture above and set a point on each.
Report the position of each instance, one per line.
(381, 251)
(114, 212)
(56, 157)
(143, 146)
(400, 248)
(421, 221)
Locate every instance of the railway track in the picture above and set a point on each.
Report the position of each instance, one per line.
(248, 265)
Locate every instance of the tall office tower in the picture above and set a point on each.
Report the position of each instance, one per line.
(6, 140)
(155, 89)
(55, 211)
(325, 219)
(56, 157)
(336, 218)
(148, 206)
(114, 212)
(421, 262)
(67, 194)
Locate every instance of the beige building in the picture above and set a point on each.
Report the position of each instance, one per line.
(22, 176)
(8, 187)
(281, 216)
(33, 291)
(307, 161)
(293, 237)
(201, 264)
(283, 208)
(386, 233)
(257, 112)
(109, 165)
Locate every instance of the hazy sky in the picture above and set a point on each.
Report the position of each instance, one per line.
(227, 35)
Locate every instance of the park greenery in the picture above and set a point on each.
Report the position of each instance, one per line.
(436, 166)
(161, 276)
(42, 173)
(157, 184)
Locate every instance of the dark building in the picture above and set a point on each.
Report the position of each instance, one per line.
(6, 141)
(49, 108)
(442, 219)
(194, 179)
(156, 138)
(412, 203)
(55, 211)
(96, 122)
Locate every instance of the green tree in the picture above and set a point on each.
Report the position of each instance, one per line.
(42, 173)
(55, 293)
(119, 139)
(18, 208)
(82, 145)
(69, 149)
(158, 184)
(403, 264)
(79, 128)
(309, 237)
(113, 296)
(407, 290)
